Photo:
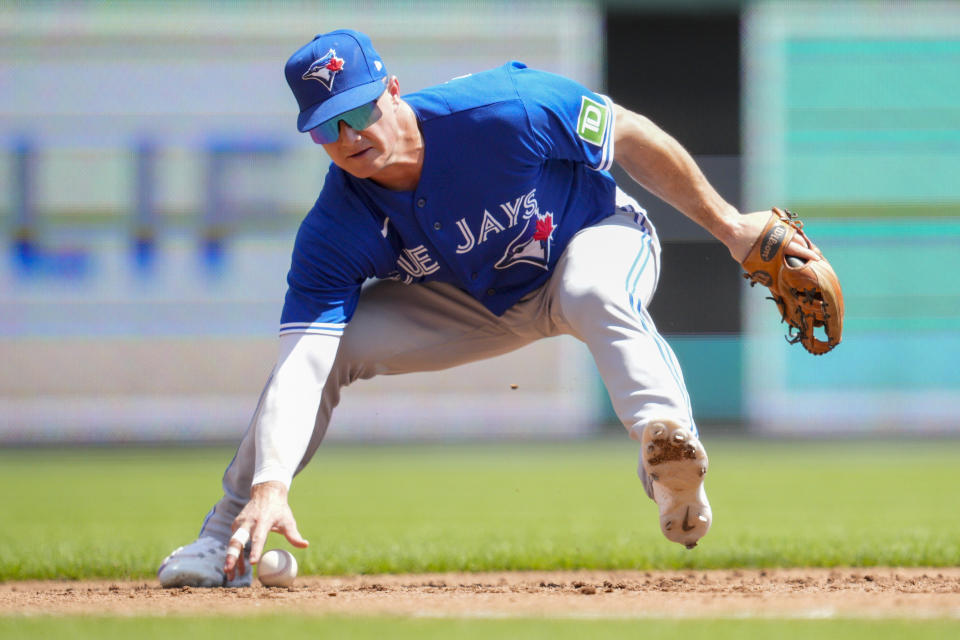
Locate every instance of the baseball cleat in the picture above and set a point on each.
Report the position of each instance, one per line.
(200, 564)
(675, 463)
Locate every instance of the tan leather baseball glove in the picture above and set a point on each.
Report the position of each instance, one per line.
(807, 293)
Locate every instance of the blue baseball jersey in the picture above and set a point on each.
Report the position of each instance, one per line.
(515, 163)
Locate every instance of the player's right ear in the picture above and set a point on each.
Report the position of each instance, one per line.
(393, 86)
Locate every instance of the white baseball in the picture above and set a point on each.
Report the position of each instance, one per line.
(277, 568)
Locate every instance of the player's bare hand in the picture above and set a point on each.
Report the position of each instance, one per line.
(747, 229)
(267, 511)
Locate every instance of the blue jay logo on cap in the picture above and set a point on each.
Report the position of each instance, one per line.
(325, 69)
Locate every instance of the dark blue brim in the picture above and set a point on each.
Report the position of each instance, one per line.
(335, 105)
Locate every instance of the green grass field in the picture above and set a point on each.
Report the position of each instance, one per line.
(115, 513)
(380, 628)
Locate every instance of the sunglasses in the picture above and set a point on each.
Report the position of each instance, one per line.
(358, 119)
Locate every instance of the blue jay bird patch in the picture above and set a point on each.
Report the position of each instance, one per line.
(532, 246)
(325, 69)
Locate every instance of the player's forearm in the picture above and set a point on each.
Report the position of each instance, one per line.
(658, 162)
(289, 407)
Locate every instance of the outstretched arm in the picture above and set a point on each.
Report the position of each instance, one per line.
(283, 431)
(661, 165)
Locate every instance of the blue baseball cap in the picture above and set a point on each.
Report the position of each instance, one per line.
(334, 73)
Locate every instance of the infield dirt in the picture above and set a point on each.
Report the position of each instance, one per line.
(807, 593)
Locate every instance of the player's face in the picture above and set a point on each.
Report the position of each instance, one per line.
(365, 152)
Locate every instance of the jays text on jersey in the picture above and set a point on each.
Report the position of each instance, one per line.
(515, 163)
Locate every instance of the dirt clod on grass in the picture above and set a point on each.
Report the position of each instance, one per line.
(875, 593)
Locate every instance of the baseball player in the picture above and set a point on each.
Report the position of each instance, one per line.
(458, 223)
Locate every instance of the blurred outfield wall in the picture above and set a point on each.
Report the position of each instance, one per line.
(144, 262)
(852, 119)
(153, 180)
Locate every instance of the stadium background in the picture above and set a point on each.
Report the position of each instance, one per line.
(153, 180)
